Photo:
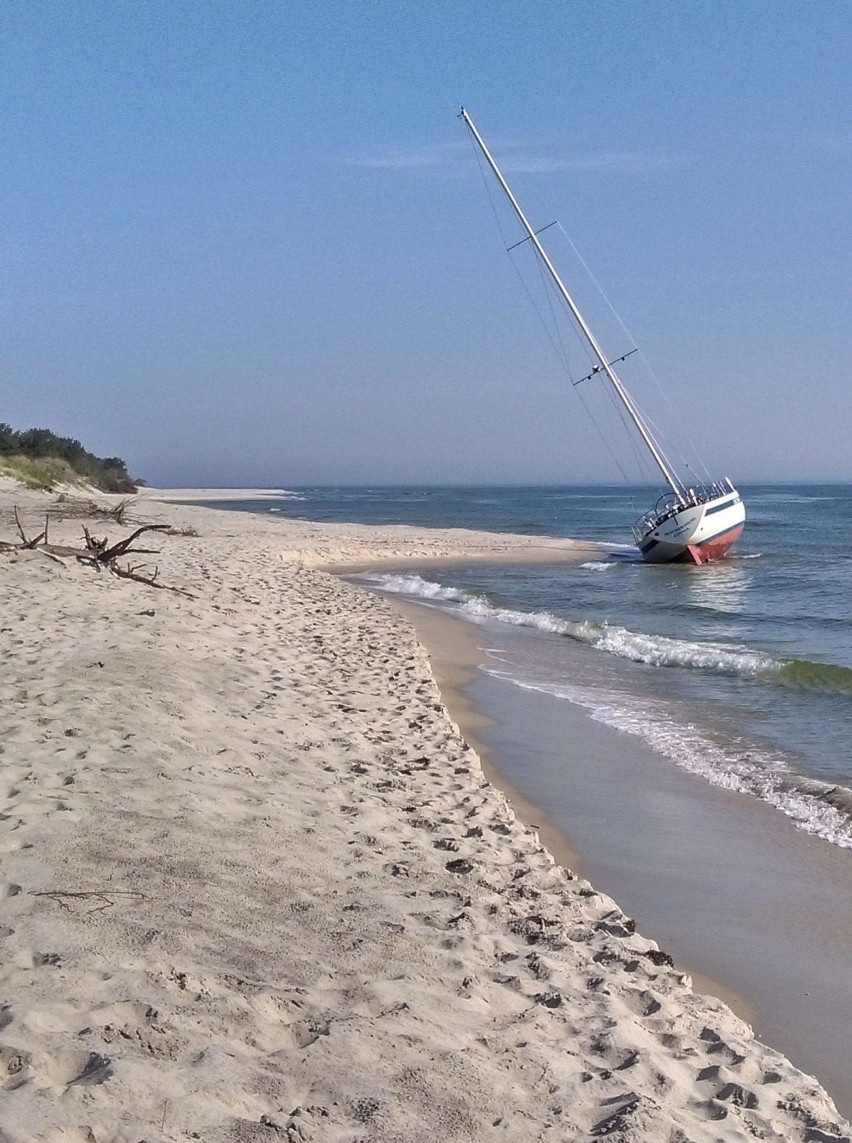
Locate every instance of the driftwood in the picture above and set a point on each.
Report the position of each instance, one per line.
(26, 543)
(100, 551)
(138, 573)
(97, 553)
(72, 508)
(119, 512)
(40, 538)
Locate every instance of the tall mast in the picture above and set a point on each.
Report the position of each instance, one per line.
(605, 367)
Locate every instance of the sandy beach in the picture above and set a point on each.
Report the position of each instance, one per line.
(256, 884)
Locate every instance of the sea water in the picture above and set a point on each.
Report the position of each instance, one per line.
(687, 729)
(738, 671)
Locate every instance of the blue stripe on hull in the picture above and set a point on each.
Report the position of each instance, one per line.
(649, 545)
(725, 504)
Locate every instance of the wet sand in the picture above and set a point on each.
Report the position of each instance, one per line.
(255, 883)
(757, 911)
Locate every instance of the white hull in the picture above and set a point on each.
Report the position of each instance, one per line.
(694, 533)
(694, 525)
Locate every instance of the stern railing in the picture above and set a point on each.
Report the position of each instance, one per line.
(669, 505)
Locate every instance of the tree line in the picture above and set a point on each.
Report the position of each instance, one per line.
(109, 473)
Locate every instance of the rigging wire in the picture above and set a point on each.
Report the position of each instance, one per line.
(661, 389)
(641, 459)
(558, 346)
(550, 292)
(609, 448)
(642, 466)
(557, 341)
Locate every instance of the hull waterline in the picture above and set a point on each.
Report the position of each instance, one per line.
(694, 525)
(715, 549)
(693, 533)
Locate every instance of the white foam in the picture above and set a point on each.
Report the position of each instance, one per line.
(756, 772)
(416, 585)
(481, 609)
(760, 773)
(656, 650)
(599, 565)
(661, 651)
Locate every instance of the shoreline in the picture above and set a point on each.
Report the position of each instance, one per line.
(455, 654)
(809, 871)
(258, 883)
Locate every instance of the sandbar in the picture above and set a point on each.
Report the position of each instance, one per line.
(256, 884)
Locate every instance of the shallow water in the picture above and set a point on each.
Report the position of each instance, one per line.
(740, 671)
(722, 882)
(734, 683)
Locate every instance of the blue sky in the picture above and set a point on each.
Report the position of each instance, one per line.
(249, 243)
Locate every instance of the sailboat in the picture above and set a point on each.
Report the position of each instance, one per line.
(689, 523)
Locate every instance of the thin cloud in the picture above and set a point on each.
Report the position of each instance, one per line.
(632, 161)
(799, 143)
(451, 158)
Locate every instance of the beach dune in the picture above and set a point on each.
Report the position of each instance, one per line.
(255, 885)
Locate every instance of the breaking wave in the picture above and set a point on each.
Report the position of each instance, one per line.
(639, 647)
(656, 650)
(815, 807)
(416, 585)
(806, 675)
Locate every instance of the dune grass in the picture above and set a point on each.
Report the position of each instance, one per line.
(39, 472)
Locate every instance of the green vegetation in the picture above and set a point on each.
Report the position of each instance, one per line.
(41, 459)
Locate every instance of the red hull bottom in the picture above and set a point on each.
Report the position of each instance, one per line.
(713, 549)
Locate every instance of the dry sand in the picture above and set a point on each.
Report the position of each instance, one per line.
(256, 886)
